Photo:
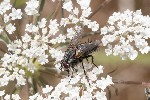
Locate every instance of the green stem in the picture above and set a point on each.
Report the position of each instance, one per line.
(42, 2)
(42, 81)
(16, 90)
(9, 37)
(30, 86)
(34, 85)
(62, 10)
(14, 3)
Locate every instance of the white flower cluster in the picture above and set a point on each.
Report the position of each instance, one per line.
(77, 88)
(21, 58)
(32, 7)
(5, 6)
(29, 53)
(124, 32)
(56, 54)
(74, 17)
(9, 97)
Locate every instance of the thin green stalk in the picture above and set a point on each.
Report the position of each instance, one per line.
(62, 10)
(9, 37)
(14, 3)
(62, 15)
(31, 86)
(35, 90)
(16, 90)
(40, 10)
(17, 30)
(42, 81)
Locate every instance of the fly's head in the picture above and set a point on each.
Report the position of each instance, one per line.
(67, 59)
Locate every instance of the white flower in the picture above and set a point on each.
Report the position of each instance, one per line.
(86, 12)
(42, 24)
(31, 8)
(2, 71)
(2, 93)
(76, 11)
(26, 38)
(94, 26)
(57, 54)
(47, 89)
(71, 33)
(53, 27)
(100, 95)
(44, 30)
(4, 6)
(10, 28)
(58, 66)
(31, 28)
(60, 39)
(84, 3)
(103, 83)
(16, 97)
(43, 59)
(78, 28)
(108, 51)
(7, 97)
(6, 18)
(20, 80)
(33, 97)
(64, 21)
(87, 96)
(97, 70)
(68, 5)
(16, 14)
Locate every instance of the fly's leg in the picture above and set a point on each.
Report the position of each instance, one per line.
(61, 66)
(92, 60)
(87, 60)
(85, 73)
(73, 68)
(68, 74)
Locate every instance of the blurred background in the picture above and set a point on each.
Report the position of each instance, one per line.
(127, 70)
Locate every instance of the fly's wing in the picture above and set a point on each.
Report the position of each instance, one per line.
(83, 49)
(88, 48)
